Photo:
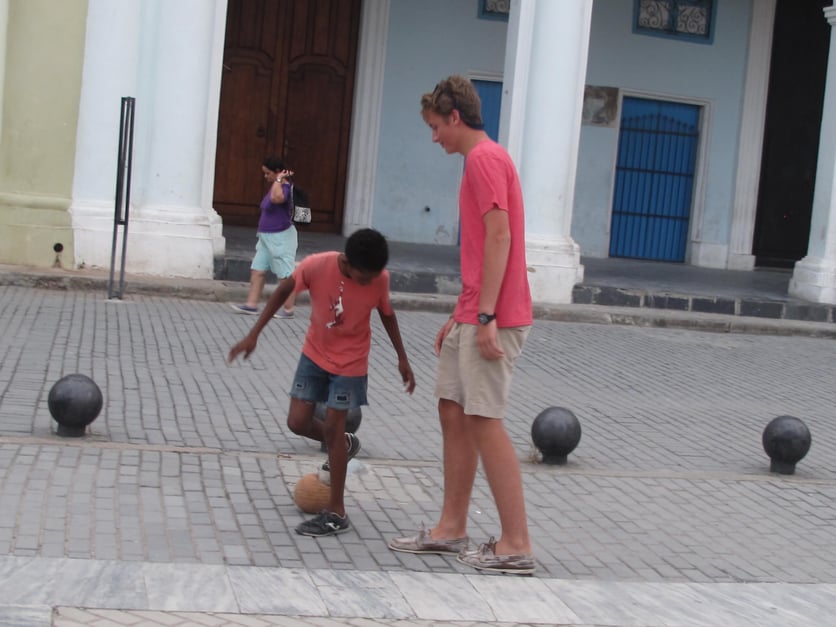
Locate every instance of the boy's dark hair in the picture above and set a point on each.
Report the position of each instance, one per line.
(367, 250)
(274, 163)
(455, 92)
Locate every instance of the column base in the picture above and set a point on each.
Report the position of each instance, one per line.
(814, 279)
(708, 254)
(554, 268)
(740, 261)
(174, 241)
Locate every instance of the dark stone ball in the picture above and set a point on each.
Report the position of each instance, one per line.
(556, 432)
(74, 402)
(786, 439)
(352, 419)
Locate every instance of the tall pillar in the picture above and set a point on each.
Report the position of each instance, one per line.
(814, 277)
(750, 140)
(366, 115)
(545, 72)
(168, 55)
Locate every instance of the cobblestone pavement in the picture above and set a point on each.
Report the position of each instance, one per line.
(190, 461)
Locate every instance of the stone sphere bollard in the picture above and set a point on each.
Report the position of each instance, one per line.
(352, 419)
(310, 494)
(786, 439)
(556, 432)
(74, 402)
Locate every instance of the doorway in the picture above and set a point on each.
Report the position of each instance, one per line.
(286, 90)
(654, 179)
(800, 45)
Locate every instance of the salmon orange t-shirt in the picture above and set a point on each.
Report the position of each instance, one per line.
(490, 180)
(339, 334)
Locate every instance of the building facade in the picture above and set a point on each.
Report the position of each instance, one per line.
(653, 129)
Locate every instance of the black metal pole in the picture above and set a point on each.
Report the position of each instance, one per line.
(122, 202)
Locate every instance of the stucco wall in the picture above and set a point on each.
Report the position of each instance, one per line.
(430, 40)
(661, 67)
(41, 85)
(427, 41)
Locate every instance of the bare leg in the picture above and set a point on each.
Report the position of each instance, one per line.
(337, 456)
(300, 420)
(460, 463)
(256, 287)
(502, 469)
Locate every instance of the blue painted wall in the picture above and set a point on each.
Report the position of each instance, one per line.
(427, 41)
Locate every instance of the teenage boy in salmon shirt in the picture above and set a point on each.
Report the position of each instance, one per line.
(344, 289)
(479, 344)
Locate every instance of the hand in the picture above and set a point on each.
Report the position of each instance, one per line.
(442, 333)
(246, 346)
(487, 338)
(407, 376)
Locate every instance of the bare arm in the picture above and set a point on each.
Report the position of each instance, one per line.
(390, 323)
(276, 300)
(497, 249)
(277, 195)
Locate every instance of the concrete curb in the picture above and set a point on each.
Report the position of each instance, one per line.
(232, 291)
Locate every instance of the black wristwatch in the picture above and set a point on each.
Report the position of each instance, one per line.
(484, 318)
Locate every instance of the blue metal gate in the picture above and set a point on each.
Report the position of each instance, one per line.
(490, 93)
(654, 179)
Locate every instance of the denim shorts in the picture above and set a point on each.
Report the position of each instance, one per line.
(276, 252)
(312, 383)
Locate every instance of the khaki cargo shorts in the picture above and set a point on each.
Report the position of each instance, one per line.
(479, 385)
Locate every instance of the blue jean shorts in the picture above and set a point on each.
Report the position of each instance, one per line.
(312, 383)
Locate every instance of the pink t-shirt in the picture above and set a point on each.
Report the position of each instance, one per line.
(339, 334)
(490, 180)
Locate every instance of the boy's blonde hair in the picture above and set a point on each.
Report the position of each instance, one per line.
(455, 92)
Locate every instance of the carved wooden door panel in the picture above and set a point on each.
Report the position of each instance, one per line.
(287, 88)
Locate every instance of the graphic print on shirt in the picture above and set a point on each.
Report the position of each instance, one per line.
(337, 308)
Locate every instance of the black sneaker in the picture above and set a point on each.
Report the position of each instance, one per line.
(324, 524)
(353, 449)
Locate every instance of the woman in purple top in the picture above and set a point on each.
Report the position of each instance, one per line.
(277, 238)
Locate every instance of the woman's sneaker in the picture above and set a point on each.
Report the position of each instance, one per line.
(284, 314)
(324, 524)
(353, 449)
(245, 309)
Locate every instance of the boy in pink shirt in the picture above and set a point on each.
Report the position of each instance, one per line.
(344, 289)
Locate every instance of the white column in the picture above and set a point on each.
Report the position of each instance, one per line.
(750, 141)
(4, 23)
(168, 56)
(545, 71)
(814, 277)
(366, 115)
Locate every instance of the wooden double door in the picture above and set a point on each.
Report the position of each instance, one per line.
(286, 90)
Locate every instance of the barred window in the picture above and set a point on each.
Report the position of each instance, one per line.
(680, 19)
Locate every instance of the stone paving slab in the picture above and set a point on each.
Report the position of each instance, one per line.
(131, 593)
